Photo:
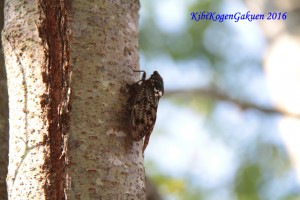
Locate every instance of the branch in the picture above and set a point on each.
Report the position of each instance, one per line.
(216, 94)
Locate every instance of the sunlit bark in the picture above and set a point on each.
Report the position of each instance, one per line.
(104, 162)
(67, 64)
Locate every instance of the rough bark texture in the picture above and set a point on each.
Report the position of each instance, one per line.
(104, 161)
(56, 75)
(36, 55)
(87, 154)
(24, 56)
(3, 117)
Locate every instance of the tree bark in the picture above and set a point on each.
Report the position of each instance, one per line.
(24, 59)
(104, 162)
(67, 66)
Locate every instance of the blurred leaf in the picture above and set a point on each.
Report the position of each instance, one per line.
(247, 182)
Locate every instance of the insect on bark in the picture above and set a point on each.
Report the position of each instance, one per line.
(147, 93)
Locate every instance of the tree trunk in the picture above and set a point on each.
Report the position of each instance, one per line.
(67, 66)
(103, 49)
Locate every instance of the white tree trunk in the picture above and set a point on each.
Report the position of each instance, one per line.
(67, 64)
(29, 136)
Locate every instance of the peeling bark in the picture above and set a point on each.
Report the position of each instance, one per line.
(56, 76)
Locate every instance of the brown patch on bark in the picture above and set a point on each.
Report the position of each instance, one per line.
(54, 34)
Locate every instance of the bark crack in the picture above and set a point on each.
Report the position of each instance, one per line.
(56, 75)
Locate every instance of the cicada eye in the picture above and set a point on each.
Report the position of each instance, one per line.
(159, 88)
